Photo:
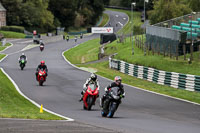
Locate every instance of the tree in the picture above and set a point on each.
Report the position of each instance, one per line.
(106, 2)
(98, 8)
(13, 11)
(35, 14)
(168, 9)
(194, 5)
(77, 12)
(64, 11)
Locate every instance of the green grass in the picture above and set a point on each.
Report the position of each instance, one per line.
(5, 46)
(124, 53)
(105, 20)
(158, 62)
(2, 55)
(104, 70)
(10, 34)
(84, 52)
(136, 20)
(13, 105)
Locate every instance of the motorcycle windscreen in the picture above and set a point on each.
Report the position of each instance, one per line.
(115, 91)
(92, 86)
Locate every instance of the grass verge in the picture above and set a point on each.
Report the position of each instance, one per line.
(85, 52)
(155, 61)
(10, 34)
(105, 20)
(124, 52)
(13, 105)
(5, 46)
(1, 56)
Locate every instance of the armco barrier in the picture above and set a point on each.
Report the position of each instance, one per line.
(172, 79)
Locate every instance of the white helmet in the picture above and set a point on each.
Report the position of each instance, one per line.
(23, 54)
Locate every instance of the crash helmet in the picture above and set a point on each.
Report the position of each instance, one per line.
(42, 63)
(93, 76)
(23, 54)
(118, 80)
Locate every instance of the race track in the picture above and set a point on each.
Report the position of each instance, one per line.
(140, 111)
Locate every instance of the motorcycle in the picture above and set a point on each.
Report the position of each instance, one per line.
(90, 96)
(22, 63)
(41, 48)
(111, 102)
(41, 77)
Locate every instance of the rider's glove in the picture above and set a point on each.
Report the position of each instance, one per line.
(122, 95)
(106, 90)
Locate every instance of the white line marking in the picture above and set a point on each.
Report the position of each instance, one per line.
(7, 47)
(17, 88)
(117, 16)
(121, 24)
(26, 41)
(30, 46)
(36, 104)
(18, 119)
(3, 58)
(107, 21)
(129, 85)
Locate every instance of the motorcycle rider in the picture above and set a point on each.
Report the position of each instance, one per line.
(117, 83)
(92, 80)
(41, 66)
(41, 43)
(23, 56)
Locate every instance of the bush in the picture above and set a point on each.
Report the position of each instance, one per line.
(13, 28)
(11, 34)
(137, 30)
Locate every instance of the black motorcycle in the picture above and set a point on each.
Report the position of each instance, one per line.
(111, 102)
(22, 63)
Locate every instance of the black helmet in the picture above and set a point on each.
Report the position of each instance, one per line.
(93, 77)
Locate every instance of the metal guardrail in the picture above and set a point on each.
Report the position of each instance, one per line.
(178, 20)
(172, 79)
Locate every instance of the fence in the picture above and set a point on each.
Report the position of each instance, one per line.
(178, 20)
(172, 79)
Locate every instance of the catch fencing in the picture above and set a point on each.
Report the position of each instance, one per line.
(172, 79)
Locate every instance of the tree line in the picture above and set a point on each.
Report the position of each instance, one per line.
(46, 15)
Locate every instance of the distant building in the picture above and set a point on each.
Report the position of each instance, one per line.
(2, 16)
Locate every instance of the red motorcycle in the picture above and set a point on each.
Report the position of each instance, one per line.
(90, 96)
(41, 77)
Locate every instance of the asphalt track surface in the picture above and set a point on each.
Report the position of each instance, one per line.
(140, 111)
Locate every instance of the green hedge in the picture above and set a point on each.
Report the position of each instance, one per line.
(11, 34)
(13, 28)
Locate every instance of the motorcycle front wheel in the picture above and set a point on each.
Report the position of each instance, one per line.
(113, 107)
(41, 82)
(89, 102)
